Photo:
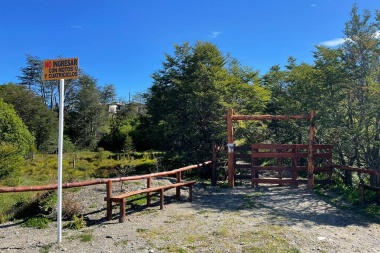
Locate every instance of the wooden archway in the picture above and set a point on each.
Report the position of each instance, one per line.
(230, 139)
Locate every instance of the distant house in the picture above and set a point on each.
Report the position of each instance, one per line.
(133, 107)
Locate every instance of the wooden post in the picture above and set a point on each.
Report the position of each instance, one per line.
(279, 164)
(109, 203)
(230, 140)
(254, 162)
(310, 153)
(362, 199)
(295, 164)
(214, 173)
(190, 192)
(378, 185)
(162, 195)
(148, 185)
(178, 189)
(122, 210)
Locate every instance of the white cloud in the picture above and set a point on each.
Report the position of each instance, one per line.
(213, 35)
(340, 41)
(333, 43)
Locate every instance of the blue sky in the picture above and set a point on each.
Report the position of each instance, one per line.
(122, 42)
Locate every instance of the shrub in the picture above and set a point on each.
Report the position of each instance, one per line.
(77, 223)
(71, 207)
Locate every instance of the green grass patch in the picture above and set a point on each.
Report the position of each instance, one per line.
(37, 222)
(46, 248)
(76, 224)
(41, 169)
(86, 236)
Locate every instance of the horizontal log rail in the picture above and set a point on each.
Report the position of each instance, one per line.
(98, 181)
(354, 169)
(271, 117)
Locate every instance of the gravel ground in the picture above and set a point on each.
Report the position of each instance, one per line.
(263, 219)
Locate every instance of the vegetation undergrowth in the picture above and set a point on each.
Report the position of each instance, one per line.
(41, 169)
(340, 194)
(39, 222)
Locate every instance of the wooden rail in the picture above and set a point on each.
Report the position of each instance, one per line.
(362, 186)
(6, 189)
(296, 155)
(108, 182)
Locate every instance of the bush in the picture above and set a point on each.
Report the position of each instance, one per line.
(71, 207)
(77, 223)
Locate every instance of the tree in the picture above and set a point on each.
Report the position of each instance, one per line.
(15, 140)
(107, 94)
(86, 116)
(362, 63)
(189, 97)
(42, 123)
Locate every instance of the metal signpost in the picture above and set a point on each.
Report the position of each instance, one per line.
(60, 69)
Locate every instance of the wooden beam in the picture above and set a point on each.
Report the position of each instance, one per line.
(310, 152)
(270, 117)
(230, 140)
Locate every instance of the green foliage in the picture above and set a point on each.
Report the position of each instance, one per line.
(189, 97)
(46, 248)
(10, 161)
(41, 121)
(86, 236)
(13, 130)
(86, 117)
(15, 141)
(39, 222)
(76, 224)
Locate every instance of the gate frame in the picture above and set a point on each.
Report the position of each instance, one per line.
(230, 139)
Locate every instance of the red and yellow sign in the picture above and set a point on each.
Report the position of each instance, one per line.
(61, 69)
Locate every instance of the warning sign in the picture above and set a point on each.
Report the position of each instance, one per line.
(61, 69)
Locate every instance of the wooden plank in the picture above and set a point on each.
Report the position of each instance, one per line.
(310, 151)
(242, 156)
(274, 155)
(242, 166)
(230, 140)
(272, 168)
(152, 189)
(322, 155)
(366, 171)
(271, 181)
(271, 117)
(273, 146)
(242, 148)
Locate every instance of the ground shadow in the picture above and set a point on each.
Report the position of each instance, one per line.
(281, 204)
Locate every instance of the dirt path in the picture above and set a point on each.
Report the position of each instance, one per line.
(266, 219)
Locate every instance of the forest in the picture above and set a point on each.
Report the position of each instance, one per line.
(183, 111)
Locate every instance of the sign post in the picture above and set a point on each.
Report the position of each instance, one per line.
(60, 69)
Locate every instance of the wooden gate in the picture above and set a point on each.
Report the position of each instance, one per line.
(230, 139)
(281, 163)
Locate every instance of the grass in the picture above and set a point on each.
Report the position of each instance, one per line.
(41, 169)
(76, 224)
(46, 248)
(345, 197)
(86, 236)
(37, 222)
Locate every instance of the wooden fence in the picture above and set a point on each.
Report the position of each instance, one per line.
(108, 182)
(287, 160)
